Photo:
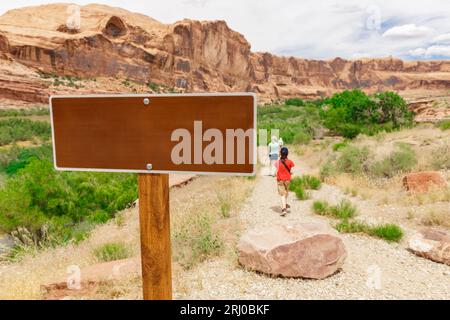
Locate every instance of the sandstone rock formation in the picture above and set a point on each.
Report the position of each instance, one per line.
(422, 181)
(307, 250)
(432, 244)
(426, 111)
(188, 55)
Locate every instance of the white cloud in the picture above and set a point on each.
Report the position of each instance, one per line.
(443, 38)
(432, 51)
(419, 52)
(407, 31)
(308, 28)
(442, 51)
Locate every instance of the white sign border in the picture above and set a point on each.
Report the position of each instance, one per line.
(209, 94)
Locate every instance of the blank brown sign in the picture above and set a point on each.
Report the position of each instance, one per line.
(134, 133)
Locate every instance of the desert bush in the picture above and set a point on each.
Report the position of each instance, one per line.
(344, 210)
(295, 124)
(310, 182)
(300, 193)
(112, 251)
(444, 125)
(302, 137)
(38, 197)
(38, 111)
(401, 160)
(348, 226)
(321, 207)
(436, 218)
(18, 129)
(327, 170)
(388, 232)
(352, 112)
(339, 145)
(440, 157)
(294, 102)
(353, 159)
(195, 239)
(21, 157)
(305, 182)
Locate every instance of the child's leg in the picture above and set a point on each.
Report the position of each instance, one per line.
(283, 202)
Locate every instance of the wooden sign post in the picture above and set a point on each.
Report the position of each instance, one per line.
(154, 220)
(154, 136)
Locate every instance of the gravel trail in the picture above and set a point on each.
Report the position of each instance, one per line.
(374, 269)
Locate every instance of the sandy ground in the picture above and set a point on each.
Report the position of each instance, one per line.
(374, 268)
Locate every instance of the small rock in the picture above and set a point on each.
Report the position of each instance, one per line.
(422, 181)
(432, 244)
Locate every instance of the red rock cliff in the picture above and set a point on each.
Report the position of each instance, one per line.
(188, 55)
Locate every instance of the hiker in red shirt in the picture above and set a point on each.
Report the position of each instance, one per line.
(284, 167)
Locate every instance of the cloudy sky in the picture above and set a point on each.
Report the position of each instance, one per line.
(414, 30)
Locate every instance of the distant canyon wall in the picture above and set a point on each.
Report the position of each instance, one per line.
(192, 56)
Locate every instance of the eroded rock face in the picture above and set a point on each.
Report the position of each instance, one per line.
(432, 244)
(306, 250)
(422, 181)
(190, 56)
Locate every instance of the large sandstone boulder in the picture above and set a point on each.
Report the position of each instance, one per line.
(422, 181)
(306, 250)
(432, 244)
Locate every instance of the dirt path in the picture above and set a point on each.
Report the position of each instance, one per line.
(374, 268)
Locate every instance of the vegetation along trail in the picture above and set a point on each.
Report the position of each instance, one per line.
(401, 274)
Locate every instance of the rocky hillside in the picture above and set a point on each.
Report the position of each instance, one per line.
(192, 56)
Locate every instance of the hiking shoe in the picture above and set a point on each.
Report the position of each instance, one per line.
(283, 212)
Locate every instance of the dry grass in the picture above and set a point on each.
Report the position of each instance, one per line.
(22, 279)
(435, 217)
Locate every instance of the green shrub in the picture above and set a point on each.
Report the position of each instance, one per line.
(294, 102)
(302, 137)
(343, 210)
(294, 123)
(295, 183)
(321, 208)
(444, 125)
(339, 145)
(23, 157)
(18, 129)
(39, 111)
(310, 182)
(352, 112)
(301, 194)
(347, 226)
(37, 197)
(305, 182)
(112, 251)
(401, 160)
(352, 159)
(389, 232)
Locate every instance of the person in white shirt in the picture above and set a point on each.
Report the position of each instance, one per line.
(274, 151)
